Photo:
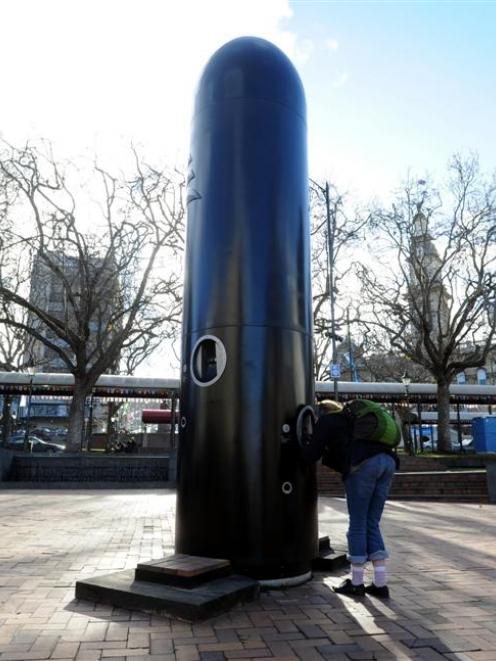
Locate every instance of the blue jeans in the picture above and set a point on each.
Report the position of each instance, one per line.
(367, 488)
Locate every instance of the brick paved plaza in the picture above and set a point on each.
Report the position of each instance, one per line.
(443, 582)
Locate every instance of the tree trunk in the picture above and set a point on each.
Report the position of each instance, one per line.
(112, 430)
(75, 432)
(443, 417)
(402, 414)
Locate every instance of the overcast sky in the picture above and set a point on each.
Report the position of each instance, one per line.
(390, 85)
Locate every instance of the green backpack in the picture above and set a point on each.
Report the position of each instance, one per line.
(371, 422)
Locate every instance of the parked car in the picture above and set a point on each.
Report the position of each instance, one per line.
(36, 444)
(16, 441)
(59, 433)
(46, 446)
(44, 433)
(467, 445)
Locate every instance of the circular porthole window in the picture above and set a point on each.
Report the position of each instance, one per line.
(305, 424)
(208, 360)
(287, 488)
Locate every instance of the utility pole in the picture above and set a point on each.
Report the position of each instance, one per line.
(351, 360)
(330, 284)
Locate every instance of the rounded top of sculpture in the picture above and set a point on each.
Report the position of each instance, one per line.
(251, 68)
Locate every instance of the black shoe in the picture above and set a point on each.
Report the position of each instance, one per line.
(382, 592)
(351, 590)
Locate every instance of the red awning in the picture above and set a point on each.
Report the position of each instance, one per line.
(156, 416)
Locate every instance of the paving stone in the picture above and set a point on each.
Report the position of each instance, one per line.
(161, 646)
(65, 650)
(124, 653)
(88, 655)
(429, 654)
(258, 652)
(309, 654)
(330, 649)
(310, 630)
(280, 648)
(187, 653)
(220, 647)
(286, 626)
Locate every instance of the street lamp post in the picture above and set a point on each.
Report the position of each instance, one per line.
(112, 435)
(406, 380)
(28, 415)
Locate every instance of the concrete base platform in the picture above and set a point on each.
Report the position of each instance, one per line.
(330, 562)
(329, 559)
(197, 603)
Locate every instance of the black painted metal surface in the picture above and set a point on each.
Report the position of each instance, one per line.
(243, 492)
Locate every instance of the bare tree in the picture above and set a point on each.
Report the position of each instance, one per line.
(96, 292)
(15, 345)
(334, 230)
(431, 288)
(380, 363)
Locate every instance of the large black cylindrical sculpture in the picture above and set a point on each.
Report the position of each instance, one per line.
(243, 491)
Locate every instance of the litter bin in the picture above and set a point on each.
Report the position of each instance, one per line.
(484, 433)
